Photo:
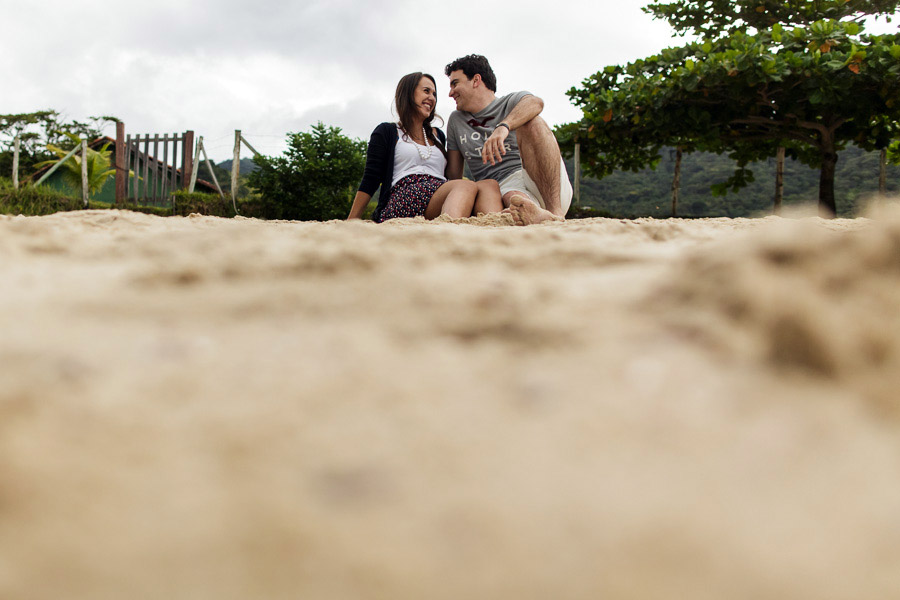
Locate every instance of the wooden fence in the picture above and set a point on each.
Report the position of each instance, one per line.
(143, 176)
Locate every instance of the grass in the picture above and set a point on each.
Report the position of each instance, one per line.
(42, 200)
(29, 200)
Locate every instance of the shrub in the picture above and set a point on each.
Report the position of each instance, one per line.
(185, 203)
(31, 201)
(258, 206)
(316, 178)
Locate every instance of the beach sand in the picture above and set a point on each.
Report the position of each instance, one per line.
(209, 408)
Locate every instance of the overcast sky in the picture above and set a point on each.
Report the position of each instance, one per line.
(278, 66)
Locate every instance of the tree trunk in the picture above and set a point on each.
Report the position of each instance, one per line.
(15, 166)
(676, 182)
(577, 178)
(827, 206)
(779, 179)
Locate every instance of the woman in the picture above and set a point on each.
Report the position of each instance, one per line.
(408, 161)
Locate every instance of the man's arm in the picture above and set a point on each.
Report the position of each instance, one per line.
(454, 164)
(494, 147)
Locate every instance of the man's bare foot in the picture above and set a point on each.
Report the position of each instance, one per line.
(526, 212)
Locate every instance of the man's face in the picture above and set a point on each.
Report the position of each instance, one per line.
(462, 89)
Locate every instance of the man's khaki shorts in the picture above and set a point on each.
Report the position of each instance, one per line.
(520, 181)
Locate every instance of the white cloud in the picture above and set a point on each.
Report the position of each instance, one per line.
(279, 66)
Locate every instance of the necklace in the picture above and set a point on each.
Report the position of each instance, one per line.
(424, 154)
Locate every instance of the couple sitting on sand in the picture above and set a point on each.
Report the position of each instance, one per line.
(511, 153)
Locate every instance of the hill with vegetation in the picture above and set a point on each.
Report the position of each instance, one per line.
(247, 166)
(649, 191)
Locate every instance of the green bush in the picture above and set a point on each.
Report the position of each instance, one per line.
(185, 203)
(159, 211)
(31, 201)
(257, 206)
(316, 178)
(253, 205)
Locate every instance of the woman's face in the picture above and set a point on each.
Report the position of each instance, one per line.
(425, 97)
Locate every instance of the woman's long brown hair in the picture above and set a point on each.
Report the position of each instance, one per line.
(405, 101)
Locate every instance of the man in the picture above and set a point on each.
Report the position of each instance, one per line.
(507, 140)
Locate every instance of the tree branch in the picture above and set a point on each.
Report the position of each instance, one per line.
(779, 129)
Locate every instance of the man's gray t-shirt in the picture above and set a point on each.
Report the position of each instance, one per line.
(467, 132)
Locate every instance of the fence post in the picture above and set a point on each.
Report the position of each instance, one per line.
(196, 160)
(134, 155)
(249, 147)
(84, 172)
(577, 174)
(165, 167)
(212, 172)
(156, 185)
(188, 156)
(235, 166)
(146, 186)
(121, 169)
(882, 174)
(15, 170)
(175, 164)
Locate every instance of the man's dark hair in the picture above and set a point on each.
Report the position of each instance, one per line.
(472, 65)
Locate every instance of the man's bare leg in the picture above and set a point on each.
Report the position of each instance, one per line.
(541, 160)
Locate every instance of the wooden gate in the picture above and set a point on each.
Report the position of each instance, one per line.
(143, 177)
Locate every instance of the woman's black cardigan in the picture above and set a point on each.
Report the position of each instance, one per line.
(380, 163)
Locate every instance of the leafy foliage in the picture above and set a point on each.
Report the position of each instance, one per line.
(99, 165)
(647, 193)
(709, 18)
(893, 154)
(185, 203)
(30, 200)
(37, 131)
(814, 89)
(315, 179)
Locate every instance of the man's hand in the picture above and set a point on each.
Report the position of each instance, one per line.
(495, 146)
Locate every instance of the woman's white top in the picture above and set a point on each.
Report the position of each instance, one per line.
(408, 160)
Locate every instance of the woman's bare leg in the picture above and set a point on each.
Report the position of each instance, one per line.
(455, 198)
(488, 199)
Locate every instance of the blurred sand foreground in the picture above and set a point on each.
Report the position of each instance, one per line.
(208, 408)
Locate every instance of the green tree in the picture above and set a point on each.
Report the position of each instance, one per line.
(711, 18)
(813, 88)
(38, 130)
(316, 177)
(99, 165)
(894, 153)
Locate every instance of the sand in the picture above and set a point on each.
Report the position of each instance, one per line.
(208, 408)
